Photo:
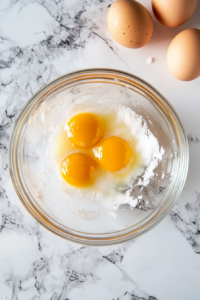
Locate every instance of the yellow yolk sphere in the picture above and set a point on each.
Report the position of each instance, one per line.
(113, 154)
(78, 169)
(85, 130)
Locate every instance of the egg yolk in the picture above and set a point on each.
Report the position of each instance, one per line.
(85, 130)
(113, 154)
(78, 169)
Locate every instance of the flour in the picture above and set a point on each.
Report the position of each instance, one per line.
(111, 190)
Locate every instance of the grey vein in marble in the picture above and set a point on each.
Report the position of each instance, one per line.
(191, 228)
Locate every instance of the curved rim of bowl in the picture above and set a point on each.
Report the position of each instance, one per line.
(98, 239)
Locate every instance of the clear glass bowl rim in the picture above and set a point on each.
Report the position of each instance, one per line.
(124, 78)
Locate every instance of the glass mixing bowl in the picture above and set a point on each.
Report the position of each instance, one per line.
(34, 181)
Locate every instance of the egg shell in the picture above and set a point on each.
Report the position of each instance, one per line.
(172, 13)
(130, 23)
(183, 56)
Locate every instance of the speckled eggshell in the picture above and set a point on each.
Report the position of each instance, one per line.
(172, 13)
(183, 56)
(130, 23)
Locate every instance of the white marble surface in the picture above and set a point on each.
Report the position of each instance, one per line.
(40, 40)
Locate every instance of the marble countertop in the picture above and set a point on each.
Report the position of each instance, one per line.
(43, 39)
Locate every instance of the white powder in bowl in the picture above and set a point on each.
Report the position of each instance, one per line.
(110, 190)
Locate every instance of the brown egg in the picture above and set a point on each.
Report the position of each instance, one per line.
(172, 13)
(183, 56)
(130, 23)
